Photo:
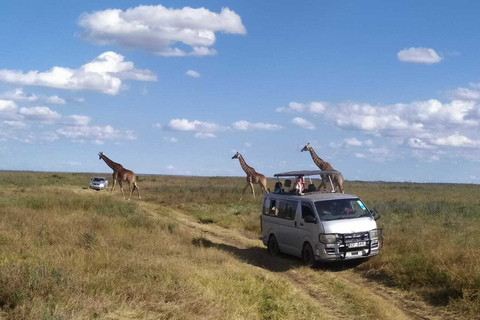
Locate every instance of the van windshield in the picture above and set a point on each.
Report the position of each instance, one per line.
(98, 179)
(341, 209)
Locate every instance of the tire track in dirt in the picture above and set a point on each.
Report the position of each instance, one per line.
(253, 252)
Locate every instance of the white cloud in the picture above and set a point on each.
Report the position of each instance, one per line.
(8, 107)
(248, 144)
(43, 114)
(19, 95)
(77, 120)
(471, 93)
(360, 155)
(157, 125)
(416, 143)
(243, 125)
(404, 119)
(353, 142)
(202, 135)
(170, 167)
(197, 126)
(303, 123)
(157, 29)
(419, 55)
(312, 107)
(457, 140)
(104, 74)
(193, 74)
(107, 132)
(15, 124)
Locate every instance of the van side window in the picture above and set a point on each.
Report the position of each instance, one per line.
(273, 208)
(282, 209)
(291, 210)
(266, 206)
(307, 210)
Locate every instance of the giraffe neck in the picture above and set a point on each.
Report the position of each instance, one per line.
(115, 166)
(248, 170)
(318, 161)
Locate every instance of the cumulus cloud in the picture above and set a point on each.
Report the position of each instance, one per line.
(295, 107)
(243, 125)
(104, 74)
(15, 124)
(193, 74)
(197, 126)
(43, 114)
(202, 135)
(8, 108)
(96, 133)
(76, 120)
(303, 123)
(404, 119)
(471, 93)
(457, 140)
(419, 55)
(158, 29)
(19, 95)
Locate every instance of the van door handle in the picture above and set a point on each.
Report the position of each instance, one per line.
(295, 223)
(301, 224)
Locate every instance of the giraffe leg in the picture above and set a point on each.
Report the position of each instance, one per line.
(243, 191)
(130, 190)
(113, 186)
(138, 190)
(253, 190)
(121, 188)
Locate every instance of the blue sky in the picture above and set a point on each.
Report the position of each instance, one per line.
(382, 90)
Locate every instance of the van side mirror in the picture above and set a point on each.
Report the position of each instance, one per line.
(310, 219)
(375, 215)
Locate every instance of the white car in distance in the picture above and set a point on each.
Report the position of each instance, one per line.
(98, 183)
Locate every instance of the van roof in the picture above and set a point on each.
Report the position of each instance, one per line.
(313, 196)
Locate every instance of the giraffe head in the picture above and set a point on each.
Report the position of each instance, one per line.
(100, 154)
(236, 155)
(306, 148)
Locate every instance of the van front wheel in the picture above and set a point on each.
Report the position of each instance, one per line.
(273, 246)
(308, 257)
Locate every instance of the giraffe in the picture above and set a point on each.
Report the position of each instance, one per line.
(252, 176)
(337, 179)
(121, 174)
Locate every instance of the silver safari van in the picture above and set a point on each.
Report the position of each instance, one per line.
(319, 226)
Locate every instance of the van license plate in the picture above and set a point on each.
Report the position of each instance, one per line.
(356, 244)
(349, 254)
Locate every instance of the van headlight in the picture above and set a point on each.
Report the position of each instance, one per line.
(327, 238)
(374, 234)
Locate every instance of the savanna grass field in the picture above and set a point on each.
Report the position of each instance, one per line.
(190, 249)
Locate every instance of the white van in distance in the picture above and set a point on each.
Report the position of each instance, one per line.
(319, 226)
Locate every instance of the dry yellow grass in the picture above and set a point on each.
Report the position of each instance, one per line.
(191, 251)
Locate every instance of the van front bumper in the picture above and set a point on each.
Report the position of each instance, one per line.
(351, 246)
(355, 254)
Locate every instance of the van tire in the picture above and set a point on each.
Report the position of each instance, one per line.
(273, 248)
(308, 257)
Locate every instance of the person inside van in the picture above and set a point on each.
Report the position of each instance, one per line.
(300, 185)
(278, 187)
(287, 186)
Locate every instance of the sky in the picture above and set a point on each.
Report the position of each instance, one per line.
(382, 90)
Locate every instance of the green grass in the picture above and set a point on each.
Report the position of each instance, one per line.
(71, 253)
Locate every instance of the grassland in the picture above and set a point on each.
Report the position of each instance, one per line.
(189, 250)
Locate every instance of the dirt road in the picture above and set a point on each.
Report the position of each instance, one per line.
(334, 287)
